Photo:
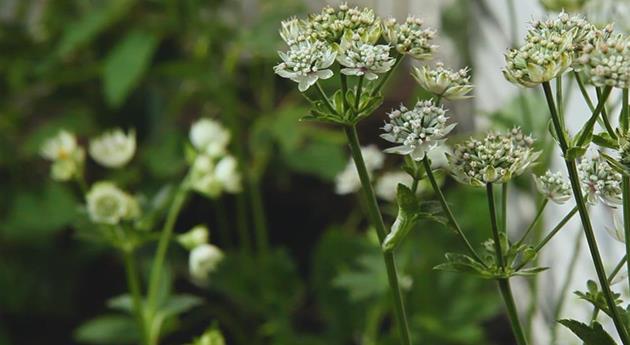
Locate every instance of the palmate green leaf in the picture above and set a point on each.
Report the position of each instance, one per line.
(408, 209)
(125, 65)
(590, 335)
(107, 330)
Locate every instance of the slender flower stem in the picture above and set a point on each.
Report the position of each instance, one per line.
(591, 122)
(377, 221)
(504, 283)
(133, 283)
(449, 213)
(357, 99)
(611, 277)
(531, 226)
(583, 210)
(160, 255)
(626, 216)
(623, 120)
(504, 198)
(556, 229)
(344, 90)
(605, 119)
(559, 98)
(325, 98)
(585, 95)
(387, 75)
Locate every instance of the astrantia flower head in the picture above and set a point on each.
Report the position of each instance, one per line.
(545, 55)
(417, 130)
(209, 137)
(600, 181)
(65, 153)
(410, 37)
(108, 204)
(293, 31)
(444, 82)
(495, 159)
(563, 5)
(306, 62)
(203, 260)
(606, 62)
(332, 22)
(362, 58)
(581, 30)
(113, 149)
(554, 187)
(348, 181)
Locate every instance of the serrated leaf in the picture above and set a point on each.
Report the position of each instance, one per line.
(590, 335)
(408, 209)
(125, 65)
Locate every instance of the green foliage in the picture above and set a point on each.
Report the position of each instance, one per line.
(108, 329)
(591, 335)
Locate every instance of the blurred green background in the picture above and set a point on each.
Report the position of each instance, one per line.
(156, 66)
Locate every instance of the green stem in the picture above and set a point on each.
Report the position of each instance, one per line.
(344, 90)
(504, 198)
(531, 227)
(556, 229)
(611, 277)
(583, 211)
(325, 98)
(623, 120)
(626, 217)
(605, 118)
(160, 255)
(387, 75)
(377, 221)
(588, 128)
(357, 99)
(504, 283)
(133, 283)
(448, 212)
(559, 98)
(513, 23)
(582, 88)
(260, 223)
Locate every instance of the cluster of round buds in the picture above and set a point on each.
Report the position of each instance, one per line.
(417, 130)
(306, 62)
(66, 155)
(581, 30)
(563, 5)
(410, 37)
(495, 159)
(545, 55)
(331, 23)
(606, 62)
(361, 58)
(554, 187)
(444, 82)
(108, 204)
(600, 181)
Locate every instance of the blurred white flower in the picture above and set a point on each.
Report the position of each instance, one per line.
(65, 153)
(108, 204)
(194, 237)
(227, 174)
(306, 62)
(203, 178)
(348, 180)
(113, 149)
(387, 184)
(209, 137)
(203, 260)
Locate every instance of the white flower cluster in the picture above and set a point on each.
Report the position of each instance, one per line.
(554, 187)
(331, 23)
(348, 181)
(444, 82)
(549, 50)
(417, 130)
(66, 154)
(108, 204)
(606, 62)
(495, 159)
(363, 59)
(113, 149)
(600, 181)
(204, 257)
(306, 62)
(410, 37)
(213, 170)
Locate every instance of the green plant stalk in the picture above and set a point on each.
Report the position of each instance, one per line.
(626, 217)
(357, 98)
(559, 98)
(322, 94)
(344, 90)
(623, 121)
(531, 226)
(504, 198)
(133, 284)
(377, 221)
(160, 255)
(601, 104)
(604, 113)
(504, 283)
(583, 91)
(260, 219)
(565, 286)
(611, 277)
(556, 229)
(583, 211)
(448, 212)
(387, 75)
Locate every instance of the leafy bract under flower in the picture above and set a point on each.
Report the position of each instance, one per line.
(495, 159)
(417, 130)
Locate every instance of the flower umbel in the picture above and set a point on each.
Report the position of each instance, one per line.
(416, 130)
(410, 37)
(113, 149)
(444, 82)
(495, 159)
(606, 62)
(554, 187)
(363, 59)
(108, 204)
(306, 62)
(600, 181)
(331, 23)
